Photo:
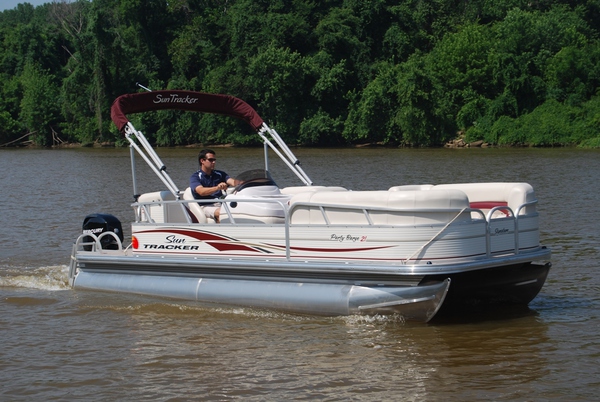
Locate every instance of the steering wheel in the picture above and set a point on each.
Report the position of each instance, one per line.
(261, 181)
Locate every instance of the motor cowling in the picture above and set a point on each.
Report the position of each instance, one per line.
(97, 224)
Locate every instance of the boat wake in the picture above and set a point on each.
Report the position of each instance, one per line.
(142, 305)
(44, 278)
(55, 278)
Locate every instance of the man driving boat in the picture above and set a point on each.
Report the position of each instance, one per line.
(209, 183)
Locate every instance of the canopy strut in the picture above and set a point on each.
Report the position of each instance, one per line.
(152, 159)
(195, 102)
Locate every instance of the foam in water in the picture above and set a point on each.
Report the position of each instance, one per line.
(44, 278)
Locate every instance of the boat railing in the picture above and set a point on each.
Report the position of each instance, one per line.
(516, 216)
(143, 209)
(508, 214)
(91, 242)
(367, 210)
(144, 215)
(490, 218)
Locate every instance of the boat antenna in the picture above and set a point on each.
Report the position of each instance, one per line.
(143, 87)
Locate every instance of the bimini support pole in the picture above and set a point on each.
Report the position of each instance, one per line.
(266, 151)
(289, 158)
(151, 158)
(136, 195)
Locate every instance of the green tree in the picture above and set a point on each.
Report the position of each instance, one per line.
(39, 112)
(417, 116)
(323, 73)
(573, 73)
(372, 112)
(277, 79)
(462, 72)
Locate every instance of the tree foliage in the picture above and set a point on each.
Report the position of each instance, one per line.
(331, 72)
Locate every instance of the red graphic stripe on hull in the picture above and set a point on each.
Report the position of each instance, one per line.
(330, 250)
(220, 243)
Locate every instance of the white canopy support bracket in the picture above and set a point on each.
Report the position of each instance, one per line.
(151, 157)
(280, 149)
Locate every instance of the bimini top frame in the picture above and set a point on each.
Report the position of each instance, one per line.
(194, 102)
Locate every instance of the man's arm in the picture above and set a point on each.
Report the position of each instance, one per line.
(233, 182)
(206, 191)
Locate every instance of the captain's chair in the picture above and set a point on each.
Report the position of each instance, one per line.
(194, 208)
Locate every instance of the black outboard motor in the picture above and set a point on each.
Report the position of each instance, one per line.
(100, 223)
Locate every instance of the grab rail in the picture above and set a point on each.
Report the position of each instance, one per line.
(94, 245)
(366, 209)
(514, 216)
(530, 203)
(143, 206)
(488, 237)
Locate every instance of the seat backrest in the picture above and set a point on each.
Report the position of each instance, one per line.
(310, 189)
(411, 187)
(486, 195)
(193, 207)
(386, 207)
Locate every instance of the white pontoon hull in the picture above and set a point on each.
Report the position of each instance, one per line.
(412, 303)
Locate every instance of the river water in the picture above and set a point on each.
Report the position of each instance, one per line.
(61, 344)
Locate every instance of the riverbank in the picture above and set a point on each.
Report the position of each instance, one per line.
(458, 142)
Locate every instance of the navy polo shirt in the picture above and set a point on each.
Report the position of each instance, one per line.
(202, 179)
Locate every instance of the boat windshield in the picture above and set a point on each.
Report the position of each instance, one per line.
(253, 178)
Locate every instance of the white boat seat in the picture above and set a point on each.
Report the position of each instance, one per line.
(255, 210)
(411, 187)
(384, 207)
(195, 210)
(161, 212)
(310, 189)
(485, 196)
